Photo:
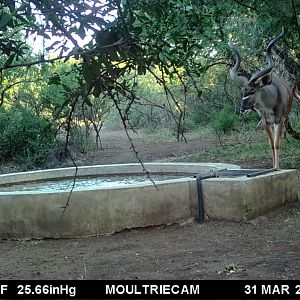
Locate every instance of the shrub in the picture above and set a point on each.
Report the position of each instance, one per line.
(25, 136)
(224, 122)
(84, 141)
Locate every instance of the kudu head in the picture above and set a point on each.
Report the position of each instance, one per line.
(251, 87)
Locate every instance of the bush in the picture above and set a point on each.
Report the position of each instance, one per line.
(224, 122)
(25, 136)
(82, 140)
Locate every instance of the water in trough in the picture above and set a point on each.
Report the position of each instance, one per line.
(82, 183)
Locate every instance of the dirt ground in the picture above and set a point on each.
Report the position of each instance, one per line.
(116, 148)
(267, 247)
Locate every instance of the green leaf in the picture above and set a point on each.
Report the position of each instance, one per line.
(23, 20)
(121, 91)
(88, 101)
(141, 69)
(98, 89)
(67, 88)
(66, 102)
(81, 32)
(45, 35)
(4, 19)
(87, 74)
(55, 79)
(9, 60)
(52, 45)
(23, 6)
(162, 57)
(137, 30)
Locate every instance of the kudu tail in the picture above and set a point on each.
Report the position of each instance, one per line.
(291, 131)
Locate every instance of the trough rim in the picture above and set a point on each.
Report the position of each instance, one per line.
(111, 169)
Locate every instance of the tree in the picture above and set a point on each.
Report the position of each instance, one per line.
(181, 40)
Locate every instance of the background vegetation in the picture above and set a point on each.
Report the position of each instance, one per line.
(70, 67)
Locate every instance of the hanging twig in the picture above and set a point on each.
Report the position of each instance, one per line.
(185, 89)
(132, 146)
(67, 152)
(168, 92)
(74, 181)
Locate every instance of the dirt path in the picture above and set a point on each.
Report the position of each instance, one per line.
(265, 248)
(117, 148)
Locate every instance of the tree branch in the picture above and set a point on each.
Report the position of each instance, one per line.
(10, 86)
(296, 17)
(82, 53)
(246, 5)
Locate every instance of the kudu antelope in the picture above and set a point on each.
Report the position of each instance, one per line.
(269, 95)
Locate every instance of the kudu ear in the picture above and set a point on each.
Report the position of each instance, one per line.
(263, 80)
(266, 80)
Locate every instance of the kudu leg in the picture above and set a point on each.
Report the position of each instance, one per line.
(277, 134)
(268, 128)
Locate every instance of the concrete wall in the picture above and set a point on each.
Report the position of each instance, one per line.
(92, 212)
(243, 198)
(97, 211)
(108, 210)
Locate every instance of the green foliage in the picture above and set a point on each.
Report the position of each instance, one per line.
(238, 150)
(24, 136)
(82, 139)
(160, 63)
(224, 122)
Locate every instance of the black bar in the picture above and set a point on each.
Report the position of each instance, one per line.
(149, 289)
(261, 172)
(199, 178)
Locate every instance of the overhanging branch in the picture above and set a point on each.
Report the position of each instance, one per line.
(77, 53)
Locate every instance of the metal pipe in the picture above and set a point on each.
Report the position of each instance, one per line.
(199, 178)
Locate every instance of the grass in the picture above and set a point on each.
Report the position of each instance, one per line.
(247, 146)
(236, 149)
(168, 135)
(290, 153)
(232, 268)
(233, 153)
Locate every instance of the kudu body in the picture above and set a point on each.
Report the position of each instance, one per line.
(269, 95)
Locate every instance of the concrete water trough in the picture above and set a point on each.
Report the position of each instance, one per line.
(29, 209)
